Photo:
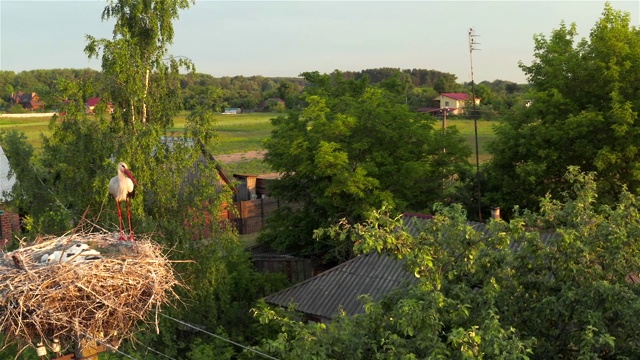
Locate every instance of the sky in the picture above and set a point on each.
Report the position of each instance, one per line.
(286, 38)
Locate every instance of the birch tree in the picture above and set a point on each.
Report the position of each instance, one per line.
(136, 58)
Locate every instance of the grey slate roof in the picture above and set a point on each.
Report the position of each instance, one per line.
(339, 288)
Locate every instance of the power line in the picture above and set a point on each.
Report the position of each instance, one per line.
(219, 337)
(111, 347)
(118, 351)
(159, 353)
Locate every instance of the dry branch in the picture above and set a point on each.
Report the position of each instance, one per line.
(103, 298)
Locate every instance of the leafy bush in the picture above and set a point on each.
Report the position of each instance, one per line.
(17, 109)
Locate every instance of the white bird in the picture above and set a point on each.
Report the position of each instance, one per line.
(78, 247)
(44, 258)
(68, 256)
(73, 253)
(54, 257)
(122, 188)
(90, 252)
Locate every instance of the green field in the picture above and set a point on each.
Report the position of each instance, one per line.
(485, 135)
(33, 127)
(237, 133)
(246, 132)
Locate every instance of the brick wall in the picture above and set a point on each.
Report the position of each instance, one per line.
(9, 226)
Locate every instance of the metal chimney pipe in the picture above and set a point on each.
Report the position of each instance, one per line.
(495, 212)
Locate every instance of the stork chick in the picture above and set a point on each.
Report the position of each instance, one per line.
(122, 188)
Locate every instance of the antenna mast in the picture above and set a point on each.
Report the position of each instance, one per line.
(473, 46)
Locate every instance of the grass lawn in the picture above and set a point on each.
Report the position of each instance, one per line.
(33, 127)
(245, 132)
(485, 135)
(237, 133)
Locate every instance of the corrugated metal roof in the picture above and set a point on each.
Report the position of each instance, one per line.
(339, 288)
(415, 223)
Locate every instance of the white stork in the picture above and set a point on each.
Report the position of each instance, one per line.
(122, 188)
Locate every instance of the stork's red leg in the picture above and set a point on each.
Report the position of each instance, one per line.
(120, 221)
(129, 215)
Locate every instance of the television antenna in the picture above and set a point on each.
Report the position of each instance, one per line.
(473, 46)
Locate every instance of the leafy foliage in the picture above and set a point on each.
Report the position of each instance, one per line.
(583, 111)
(352, 148)
(179, 195)
(553, 284)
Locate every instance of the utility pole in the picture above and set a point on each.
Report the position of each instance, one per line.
(473, 46)
(444, 124)
(444, 118)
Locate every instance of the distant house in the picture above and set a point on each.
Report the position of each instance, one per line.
(232, 111)
(455, 102)
(29, 101)
(92, 102)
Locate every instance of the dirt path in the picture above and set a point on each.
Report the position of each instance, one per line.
(248, 155)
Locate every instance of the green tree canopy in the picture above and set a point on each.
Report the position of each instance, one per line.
(352, 148)
(583, 111)
(549, 285)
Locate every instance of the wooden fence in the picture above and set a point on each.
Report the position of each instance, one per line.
(252, 214)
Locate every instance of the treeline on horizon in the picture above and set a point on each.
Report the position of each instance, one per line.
(261, 93)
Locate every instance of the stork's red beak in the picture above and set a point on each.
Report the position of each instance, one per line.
(130, 176)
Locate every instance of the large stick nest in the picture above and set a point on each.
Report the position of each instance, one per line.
(61, 288)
